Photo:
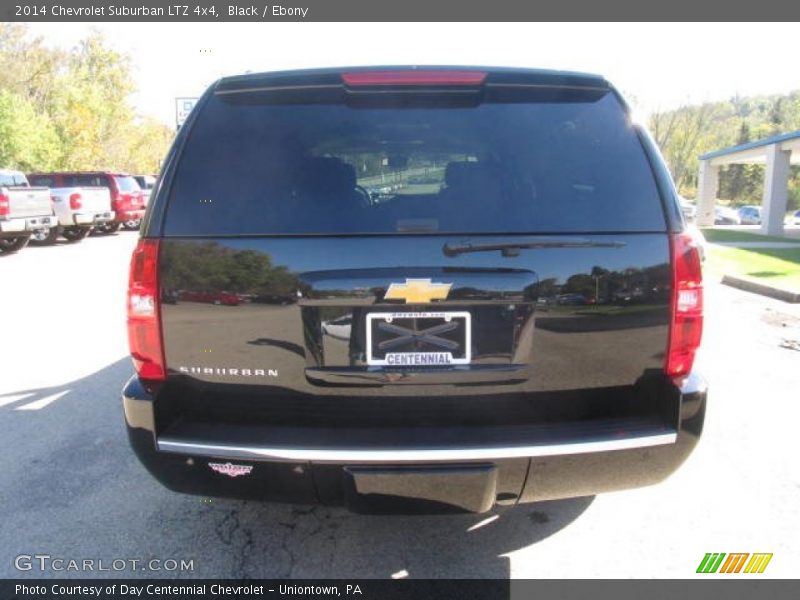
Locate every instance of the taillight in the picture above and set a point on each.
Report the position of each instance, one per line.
(144, 323)
(75, 201)
(4, 207)
(414, 77)
(686, 325)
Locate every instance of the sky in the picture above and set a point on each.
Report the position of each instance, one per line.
(656, 66)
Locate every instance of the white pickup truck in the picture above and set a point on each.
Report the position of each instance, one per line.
(24, 211)
(78, 209)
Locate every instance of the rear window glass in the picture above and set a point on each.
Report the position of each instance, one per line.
(126, 184)
(42, 181)
(146, 183)
(13, 179)
(85, 180)
(261, 168)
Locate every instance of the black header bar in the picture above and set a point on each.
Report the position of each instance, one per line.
(399, 10)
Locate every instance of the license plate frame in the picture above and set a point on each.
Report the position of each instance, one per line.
(420, 359)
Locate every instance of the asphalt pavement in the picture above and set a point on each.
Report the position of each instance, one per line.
(71, 489)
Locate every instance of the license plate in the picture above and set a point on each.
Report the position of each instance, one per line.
(419, 339)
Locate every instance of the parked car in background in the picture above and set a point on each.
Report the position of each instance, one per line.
(795, 218)
(749, 215)
(78, 210)
(571, 299)
(210, 297)
(726, 216)
(146, 182)
(689, 209)
(24, 211)
(127, 200)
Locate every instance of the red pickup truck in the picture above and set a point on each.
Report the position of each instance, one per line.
(127, 198)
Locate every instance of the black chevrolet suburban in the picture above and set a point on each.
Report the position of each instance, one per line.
(455, 288)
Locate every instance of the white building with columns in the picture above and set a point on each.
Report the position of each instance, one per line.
(777, 152)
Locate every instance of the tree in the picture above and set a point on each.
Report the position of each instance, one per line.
(741, 182)
(147, 146)
(71, 110)
(94, 118)
(682, 135)
(28, 68)
(28, 140)
(691, 130)
(776, 119)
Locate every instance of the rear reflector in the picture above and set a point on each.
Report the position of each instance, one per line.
(686, 325)
(144, 321)
(411, 77)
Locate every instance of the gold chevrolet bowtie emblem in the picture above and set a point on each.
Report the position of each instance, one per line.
(415, 291)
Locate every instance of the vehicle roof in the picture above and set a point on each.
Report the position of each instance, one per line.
(11, 172)
(332, 76)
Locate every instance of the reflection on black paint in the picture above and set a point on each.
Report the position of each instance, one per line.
(302, 303)
(191, 269)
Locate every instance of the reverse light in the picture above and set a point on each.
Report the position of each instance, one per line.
(686, 323)
(75, 201)
(144, 320)
(413, 77)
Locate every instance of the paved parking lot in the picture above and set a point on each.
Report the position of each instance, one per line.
(70, 487)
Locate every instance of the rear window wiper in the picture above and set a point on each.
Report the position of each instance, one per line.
(514, 248)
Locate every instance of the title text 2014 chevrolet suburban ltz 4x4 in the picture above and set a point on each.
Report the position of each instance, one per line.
(454, 288)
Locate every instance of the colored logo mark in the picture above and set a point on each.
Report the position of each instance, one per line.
(736, 562)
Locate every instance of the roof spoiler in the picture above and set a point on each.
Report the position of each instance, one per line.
(356, 80)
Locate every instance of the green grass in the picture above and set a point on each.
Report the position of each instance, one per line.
(777, 267)
(725, 235)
